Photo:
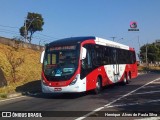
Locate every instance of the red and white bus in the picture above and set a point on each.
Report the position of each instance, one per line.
(79, 64)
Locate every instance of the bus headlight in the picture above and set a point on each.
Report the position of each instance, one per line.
(44, 83)
(75, 80)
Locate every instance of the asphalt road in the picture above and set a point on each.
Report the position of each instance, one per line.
(141, 96)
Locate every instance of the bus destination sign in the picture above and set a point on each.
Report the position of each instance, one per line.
(73, 47)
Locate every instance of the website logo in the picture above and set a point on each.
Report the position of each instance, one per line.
(6, 114)
(133, 26)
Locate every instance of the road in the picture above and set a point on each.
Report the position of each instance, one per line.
(140, 96)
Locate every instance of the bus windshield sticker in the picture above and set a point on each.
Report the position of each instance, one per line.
(58, 73)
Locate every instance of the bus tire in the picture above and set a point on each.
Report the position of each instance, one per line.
(129, 77)
(98, 88)
(125, 80)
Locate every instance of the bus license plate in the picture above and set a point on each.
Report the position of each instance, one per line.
(57, 89)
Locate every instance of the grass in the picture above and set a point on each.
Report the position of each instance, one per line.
(150, 68)
(3, 95)
(29, 71)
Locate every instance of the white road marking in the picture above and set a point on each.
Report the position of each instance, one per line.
(156, 82)
(150, 92)
(137, 103)
(98, 109)
(109, 104)
(12, 98)
(149, 87)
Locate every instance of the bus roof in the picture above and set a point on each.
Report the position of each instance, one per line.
(110, 43)
(100, 41)
(71, 40)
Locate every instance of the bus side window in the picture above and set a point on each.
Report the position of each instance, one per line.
(133, 57)
(87, 62)
(95, 56)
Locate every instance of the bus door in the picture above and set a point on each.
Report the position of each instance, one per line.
(115, 65)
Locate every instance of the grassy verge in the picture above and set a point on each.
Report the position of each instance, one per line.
(29, 71)
(148, 68)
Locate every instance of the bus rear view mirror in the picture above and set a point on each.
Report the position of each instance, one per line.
(42, 56)
(83, 54)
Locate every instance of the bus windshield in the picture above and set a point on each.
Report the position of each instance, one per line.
(60, 62)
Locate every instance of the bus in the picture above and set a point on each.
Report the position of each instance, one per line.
(79, 64)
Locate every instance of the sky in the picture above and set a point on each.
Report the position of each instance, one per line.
(70, 18)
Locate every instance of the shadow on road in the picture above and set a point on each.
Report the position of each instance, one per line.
(33, 89)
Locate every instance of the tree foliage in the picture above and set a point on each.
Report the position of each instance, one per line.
(34, 22)
(153, 53)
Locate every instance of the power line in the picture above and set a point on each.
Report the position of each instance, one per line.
(8, 26)
(44, 38)
(47, 36)
(16, 33)
(8, 30)
(40, 38)
(113, 38)
(18, 28)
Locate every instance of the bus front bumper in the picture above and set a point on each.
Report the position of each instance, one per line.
(67, 89)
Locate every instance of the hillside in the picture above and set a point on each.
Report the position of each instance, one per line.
(28, 71)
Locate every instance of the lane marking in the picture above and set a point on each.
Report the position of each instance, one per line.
(137, 103)
(156, 83)
(11, 98)
(109, 104)
(90, 113)
(150, 86)
(146, 92)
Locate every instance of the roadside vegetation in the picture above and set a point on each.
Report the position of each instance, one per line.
(143, 68)
(19, 67)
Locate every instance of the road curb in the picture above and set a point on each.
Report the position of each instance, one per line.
(14, 95)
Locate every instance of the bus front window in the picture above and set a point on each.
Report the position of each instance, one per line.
(60, 62)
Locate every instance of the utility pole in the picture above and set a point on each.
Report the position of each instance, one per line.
(146, 57)
(139, 43)
(113, 38)
(25, 30)
(139, 50)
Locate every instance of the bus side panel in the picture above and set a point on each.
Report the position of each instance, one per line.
(106, 75)
(131, 70)
(134, 71)
(115, 74)
(91, 78)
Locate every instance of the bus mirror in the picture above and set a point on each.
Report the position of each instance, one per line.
(42, 56)
(84, 52)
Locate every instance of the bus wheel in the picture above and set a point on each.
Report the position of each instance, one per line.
(125, 80)
(129, 76)
(98, 86)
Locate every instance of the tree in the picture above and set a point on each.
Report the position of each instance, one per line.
(33, 23)
(152, 53)
(14, 62)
